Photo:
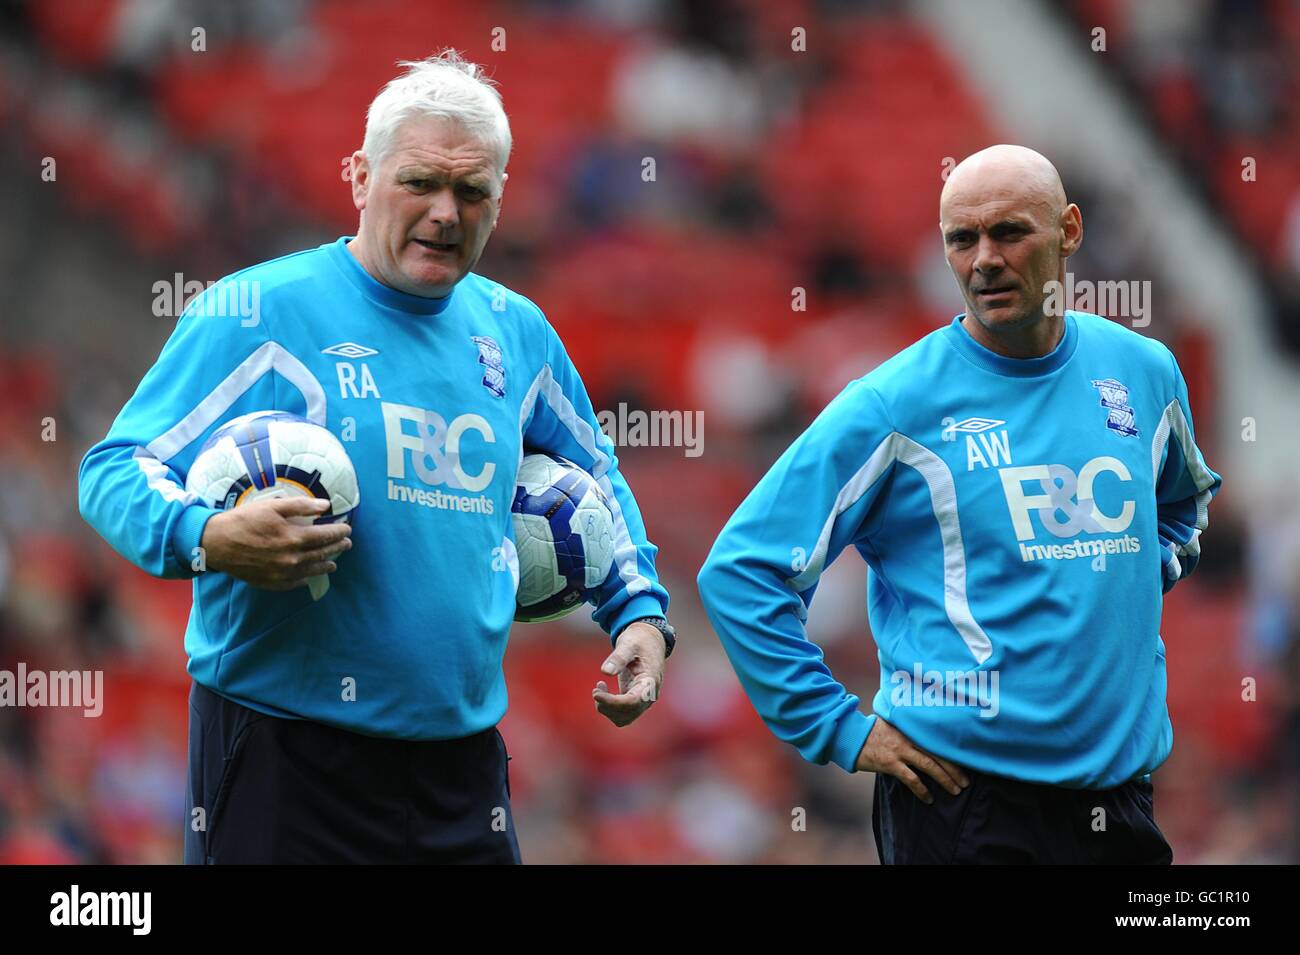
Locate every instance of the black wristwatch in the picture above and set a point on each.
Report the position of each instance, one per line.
(663, 626)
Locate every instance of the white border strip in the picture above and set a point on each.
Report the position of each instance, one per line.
(592, 442)
(269, 357)
(943, 500)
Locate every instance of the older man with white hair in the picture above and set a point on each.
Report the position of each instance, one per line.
(361, 727)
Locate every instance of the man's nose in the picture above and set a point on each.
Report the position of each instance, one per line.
(988, 258)
(442, 208)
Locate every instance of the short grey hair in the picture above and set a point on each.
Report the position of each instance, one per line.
(445, 85)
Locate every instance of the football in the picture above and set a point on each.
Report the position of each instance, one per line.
(564, 537)
(270, 454)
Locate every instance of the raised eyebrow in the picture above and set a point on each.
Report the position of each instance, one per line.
(1001, 225)
(415, 172)
(1005, 224)
(473, 180)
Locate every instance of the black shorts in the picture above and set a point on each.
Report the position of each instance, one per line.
(269, 790)
(1003, 821)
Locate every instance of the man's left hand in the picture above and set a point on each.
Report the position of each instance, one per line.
(638, 662)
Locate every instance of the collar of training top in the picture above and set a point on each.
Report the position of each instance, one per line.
(379, 292)
(1015, 367)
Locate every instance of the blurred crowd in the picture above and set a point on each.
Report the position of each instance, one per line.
(780, 242)
(1220, 80)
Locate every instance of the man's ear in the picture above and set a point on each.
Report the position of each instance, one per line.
(1071, 230)
(360, 176)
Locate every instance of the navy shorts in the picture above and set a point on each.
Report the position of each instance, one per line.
(1003, 821)
(268, 790)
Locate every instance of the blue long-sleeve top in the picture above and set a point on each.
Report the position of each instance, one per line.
(436, 401)
(1020, 520)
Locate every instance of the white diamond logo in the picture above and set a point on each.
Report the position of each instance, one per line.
(976, 425)
(349, 350)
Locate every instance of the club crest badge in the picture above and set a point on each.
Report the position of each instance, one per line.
(494, 371)
(1119, 413)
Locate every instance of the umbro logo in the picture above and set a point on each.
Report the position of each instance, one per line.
(990, 451)
(976, 425)
(349, 350)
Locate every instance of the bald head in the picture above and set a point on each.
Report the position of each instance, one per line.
(1005, 173)
(1007, 231)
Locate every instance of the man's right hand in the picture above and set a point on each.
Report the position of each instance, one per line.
(889, 751)
(263, 543)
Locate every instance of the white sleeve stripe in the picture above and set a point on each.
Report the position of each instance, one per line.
(530, 398)
(1173, 421)
(269, 357)
(878, 463)
(625, 553)
(629, 571)
(943, 501)
(159, 479)
(1192, 548)
(582, 432)
(1173, 569)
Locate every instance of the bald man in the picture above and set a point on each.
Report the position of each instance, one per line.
(1024, 485)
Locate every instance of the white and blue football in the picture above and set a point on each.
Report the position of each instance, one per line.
(564, 537)
(274, 454)
(270, 454)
